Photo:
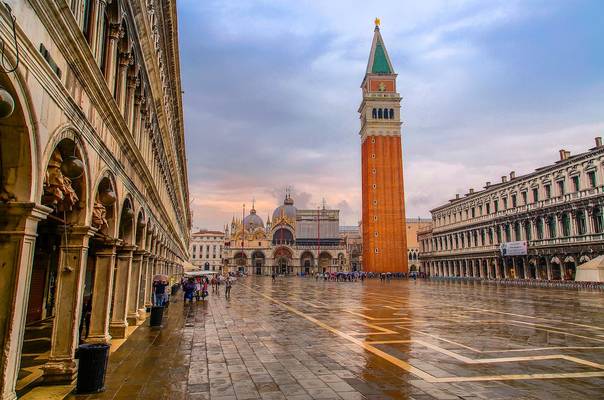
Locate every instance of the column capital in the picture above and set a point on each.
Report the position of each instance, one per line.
(17, 217)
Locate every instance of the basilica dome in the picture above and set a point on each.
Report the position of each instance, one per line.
(286, 210)
(253, 221)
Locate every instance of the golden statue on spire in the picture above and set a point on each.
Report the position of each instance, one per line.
(377, 22)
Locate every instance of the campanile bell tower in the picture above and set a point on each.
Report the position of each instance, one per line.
(384, 228)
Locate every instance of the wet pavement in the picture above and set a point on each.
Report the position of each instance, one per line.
(298, 339)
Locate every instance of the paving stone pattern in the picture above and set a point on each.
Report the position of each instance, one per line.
(300, 339)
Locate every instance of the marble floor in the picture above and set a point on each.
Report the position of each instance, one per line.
(298, 339)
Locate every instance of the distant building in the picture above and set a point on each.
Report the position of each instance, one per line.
(354, 246)
(206, 248)
(537, 226)
(294, 242)
(413, 226)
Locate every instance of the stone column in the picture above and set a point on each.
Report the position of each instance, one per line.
(18, 231)
(144, 294)
(125, 59)
(101, 294)
(61, 366)
(115, 33)
(118, 325)
(133, 316)
(136, 119)
(130, 109)
(150, 274)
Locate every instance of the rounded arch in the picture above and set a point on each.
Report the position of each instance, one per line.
(126, 221)
(282, 251)
(140, 229)
(66, 153)
(105, 200)
(19, 144)
(283, 235)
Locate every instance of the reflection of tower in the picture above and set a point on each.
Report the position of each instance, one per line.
(384, 233)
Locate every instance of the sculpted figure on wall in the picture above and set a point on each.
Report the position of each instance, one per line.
(58, 191)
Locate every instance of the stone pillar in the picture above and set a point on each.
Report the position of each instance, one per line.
(115, 32)
(61, 366)
(118, 325)
(150, 274)
(132, 83)
(136, 119)
(133, 316)
(96, 27)
(101, 294)
(144, 294)
(125, 59)
(18, 231)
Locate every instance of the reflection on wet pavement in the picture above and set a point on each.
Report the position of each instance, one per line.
(297, 338)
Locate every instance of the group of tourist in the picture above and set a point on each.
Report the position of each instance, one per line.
(197, 287)
(356, 276)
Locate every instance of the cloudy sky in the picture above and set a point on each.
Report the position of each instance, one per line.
(272, 91)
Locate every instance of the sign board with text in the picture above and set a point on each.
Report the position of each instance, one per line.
(513, 248)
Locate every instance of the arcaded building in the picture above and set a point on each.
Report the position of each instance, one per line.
(383, 196)
(293, 242)
(541, 225)
(93, 182)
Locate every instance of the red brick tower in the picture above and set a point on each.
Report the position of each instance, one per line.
(384, 233)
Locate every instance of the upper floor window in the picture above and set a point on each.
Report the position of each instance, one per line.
(496, 205)
(505, 203)
(391, 112)
(591, 175)
(488, 205)
(514, 201)
(561, 188)
(565, 224)
(374, 113)
(473, 212)
(548, 191)
(524, 198)
(576, 183)
(535, 195)
(551, 222)
(380, 115)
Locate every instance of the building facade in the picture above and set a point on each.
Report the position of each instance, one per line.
(206, 248)
(353, 239)
(294, 242)
(414, 225)
(383, 197)
(554, 213)
(93, 182)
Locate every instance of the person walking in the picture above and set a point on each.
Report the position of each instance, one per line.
(213, 282)
(189, 289)
(204, 288)
(227, 287)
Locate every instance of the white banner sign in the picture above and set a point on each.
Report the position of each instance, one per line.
(513, 248)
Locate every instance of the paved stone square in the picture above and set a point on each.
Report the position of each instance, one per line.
(298, 339)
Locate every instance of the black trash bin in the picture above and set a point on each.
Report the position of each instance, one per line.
(157, 313)
(92, 367)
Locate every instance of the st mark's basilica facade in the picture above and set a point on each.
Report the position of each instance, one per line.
(293, 242)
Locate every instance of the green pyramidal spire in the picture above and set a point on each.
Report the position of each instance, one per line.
(379, 62)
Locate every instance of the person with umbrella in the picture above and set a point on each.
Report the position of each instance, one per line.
(159, 289)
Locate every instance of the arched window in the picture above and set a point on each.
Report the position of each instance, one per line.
(517, 231)
(508, 233)
(391, 113)
(379, 113)
(527, 231)
(374, 113)
(581, 223)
